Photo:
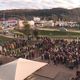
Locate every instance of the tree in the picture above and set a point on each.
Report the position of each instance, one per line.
(35, 33)
(26, 29)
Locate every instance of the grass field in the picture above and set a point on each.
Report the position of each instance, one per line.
(4, 39)
(51, 34)
(59, 34)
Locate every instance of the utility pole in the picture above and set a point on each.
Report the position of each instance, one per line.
(4, 20)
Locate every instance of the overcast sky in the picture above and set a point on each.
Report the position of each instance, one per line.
(38, 4)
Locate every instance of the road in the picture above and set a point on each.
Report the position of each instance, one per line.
(48, 29)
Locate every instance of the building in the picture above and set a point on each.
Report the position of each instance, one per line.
(66, 24)
(20, 24)
(19, 69)
(36, 19)
(9, 22)
(31, 23)
(12, 23)
(44, 23)
(48, 23)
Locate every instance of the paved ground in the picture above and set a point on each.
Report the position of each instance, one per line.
(6, 59)
(49, 29)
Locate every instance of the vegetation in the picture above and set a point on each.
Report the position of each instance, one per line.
(35, 33)
(16, 32)
(25, 31)
(55, 13)
(58, 33)
(54, 34)
(4, 39)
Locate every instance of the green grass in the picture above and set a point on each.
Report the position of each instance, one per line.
(58, 33)
(17, 32)
(53, 34)
(4, 39)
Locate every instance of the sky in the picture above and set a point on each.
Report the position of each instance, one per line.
(38, 4)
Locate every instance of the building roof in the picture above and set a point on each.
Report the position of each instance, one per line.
(19, 69)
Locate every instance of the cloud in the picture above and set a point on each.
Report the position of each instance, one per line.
(38, 4)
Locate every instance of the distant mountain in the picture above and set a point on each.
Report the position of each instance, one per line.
(55, 13)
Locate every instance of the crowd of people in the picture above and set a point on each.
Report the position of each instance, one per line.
(77, 76)
(61, 52)
(18, 48)
(56, 51)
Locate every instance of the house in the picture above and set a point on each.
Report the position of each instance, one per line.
(31, 23)
(44, 23)
(48, 23)
(36, 19)
(66, 24)
(9, 22)
(20, 24)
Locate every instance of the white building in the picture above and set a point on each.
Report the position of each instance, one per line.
(31, 23)
(20, 24)
(44, 23)
(36, 19)
(48, 23)
(61, 23)
(72, 24)
(66, 23)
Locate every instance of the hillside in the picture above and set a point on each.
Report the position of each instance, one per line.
(55, 13)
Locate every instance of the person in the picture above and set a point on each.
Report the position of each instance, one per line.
(77, 75)
(72, 78)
